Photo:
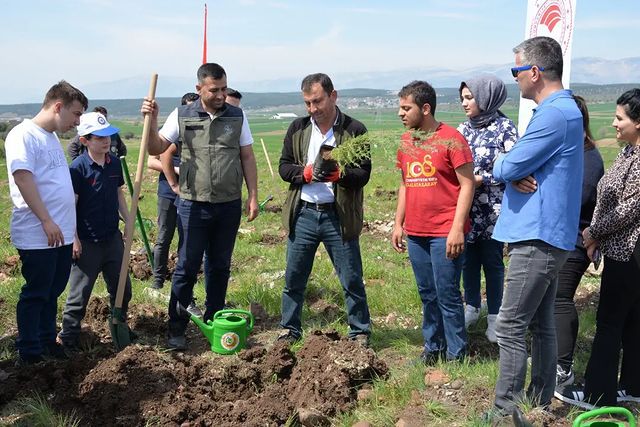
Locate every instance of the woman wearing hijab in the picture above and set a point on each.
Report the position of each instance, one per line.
(489, 133)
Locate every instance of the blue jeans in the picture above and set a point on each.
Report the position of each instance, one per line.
(528, 303)
(209, 228)
(46, 272)
(312, 227)
(486, 254)
(438, 280)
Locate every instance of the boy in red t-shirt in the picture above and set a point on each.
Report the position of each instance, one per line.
(434, 198)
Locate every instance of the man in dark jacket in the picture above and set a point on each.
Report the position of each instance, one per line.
(323, 206)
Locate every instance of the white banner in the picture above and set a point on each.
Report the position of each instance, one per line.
(555, 19)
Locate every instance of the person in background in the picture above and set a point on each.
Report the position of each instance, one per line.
(437, 172)
(489, 132)
(97, 179)
(167, 215)
(571, 273)
(615, 233)
(117, 147)
(233, 97)
(43, 220)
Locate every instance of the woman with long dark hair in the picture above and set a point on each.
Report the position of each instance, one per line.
(615, 232)
(569, 277)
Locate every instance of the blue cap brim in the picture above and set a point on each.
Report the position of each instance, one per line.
(108, 131)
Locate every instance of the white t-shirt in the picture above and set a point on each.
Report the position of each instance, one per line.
(171, 129)
(318, 192)
(29, 147)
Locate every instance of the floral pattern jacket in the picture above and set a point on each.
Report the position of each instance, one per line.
(486, 143)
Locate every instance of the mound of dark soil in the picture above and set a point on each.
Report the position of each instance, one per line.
(142, 385)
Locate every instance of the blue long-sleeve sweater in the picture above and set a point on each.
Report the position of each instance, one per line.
(551, 150)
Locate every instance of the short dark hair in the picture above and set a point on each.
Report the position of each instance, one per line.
(189, 97)
(589, 142)
(323, 79)
(544, 52)
(100, 109)
(423, 93)
(234, 93)
(63, 91)
(630, 101)
(212, 70)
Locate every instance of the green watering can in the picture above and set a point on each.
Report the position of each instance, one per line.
(581, 421)
(228, 331)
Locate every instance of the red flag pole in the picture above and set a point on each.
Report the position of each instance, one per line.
(204, 44)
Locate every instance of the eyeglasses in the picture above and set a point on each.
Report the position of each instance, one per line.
(516, 70)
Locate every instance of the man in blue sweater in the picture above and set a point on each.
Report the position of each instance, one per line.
(539, 221)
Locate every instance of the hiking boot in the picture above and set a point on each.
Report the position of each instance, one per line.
(564, 378)
(573, 395)
(623, 396)
(178, 343)
(491, 328)
(193, 309)
(55, 351)
(288, 337)
(471, 315)
(28, 360)
(362, 339)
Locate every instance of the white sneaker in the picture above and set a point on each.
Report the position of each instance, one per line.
(624, 397)
(491, 328)
(471, 315)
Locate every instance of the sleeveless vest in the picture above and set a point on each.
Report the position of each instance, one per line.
(210, 167)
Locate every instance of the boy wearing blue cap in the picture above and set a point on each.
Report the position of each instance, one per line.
(97, 181)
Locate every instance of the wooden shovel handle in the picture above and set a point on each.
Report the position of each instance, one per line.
(128, 229)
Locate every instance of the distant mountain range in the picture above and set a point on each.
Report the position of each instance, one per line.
(273, 102)
(583, 70)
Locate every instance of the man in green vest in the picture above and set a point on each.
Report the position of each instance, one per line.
(323, 206)
(215, 154)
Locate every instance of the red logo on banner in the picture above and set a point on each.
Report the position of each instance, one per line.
(554, 18)
(551, 17)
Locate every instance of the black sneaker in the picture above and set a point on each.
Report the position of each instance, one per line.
(362, 339)
(564, 378)
(28, 360)
(56, 351)
(157, 285)
(288, 337)
(193, 309)
(177, 343)
(430, 358)
(573, 395)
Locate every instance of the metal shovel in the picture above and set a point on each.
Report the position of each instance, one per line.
(118, 322)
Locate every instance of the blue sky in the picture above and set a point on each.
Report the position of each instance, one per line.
(89, 41)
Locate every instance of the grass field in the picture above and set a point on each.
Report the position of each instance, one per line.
(259, 260)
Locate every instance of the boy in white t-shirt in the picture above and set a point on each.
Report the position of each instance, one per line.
(43, 221)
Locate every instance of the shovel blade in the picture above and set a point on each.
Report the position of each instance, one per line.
(119, 329)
